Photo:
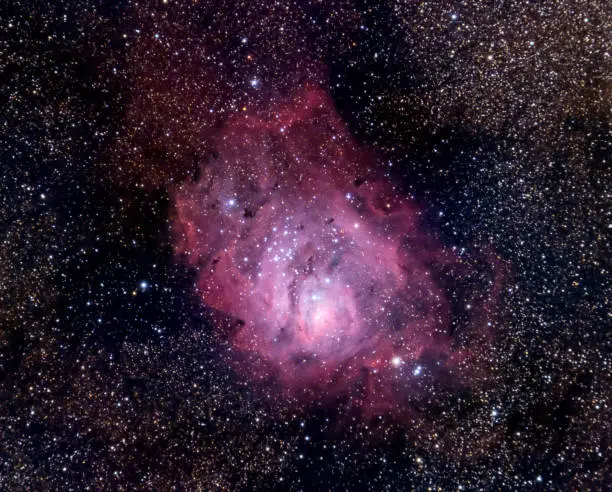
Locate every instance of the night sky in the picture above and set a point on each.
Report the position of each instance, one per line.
(305, 245)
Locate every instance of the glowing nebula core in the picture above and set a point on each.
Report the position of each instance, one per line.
(332, 285)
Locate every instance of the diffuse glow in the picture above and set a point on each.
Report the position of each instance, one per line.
(324, 269)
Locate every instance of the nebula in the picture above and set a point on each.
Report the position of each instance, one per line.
(319, 265)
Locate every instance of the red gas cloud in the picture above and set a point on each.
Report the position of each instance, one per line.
(333, 286)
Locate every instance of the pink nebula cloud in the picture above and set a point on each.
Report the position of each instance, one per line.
(322, 268)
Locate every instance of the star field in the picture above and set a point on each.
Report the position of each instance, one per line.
(305, 245)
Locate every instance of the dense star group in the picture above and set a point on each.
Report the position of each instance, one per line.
(305, 245)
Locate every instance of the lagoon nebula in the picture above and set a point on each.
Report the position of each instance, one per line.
(318, 268)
